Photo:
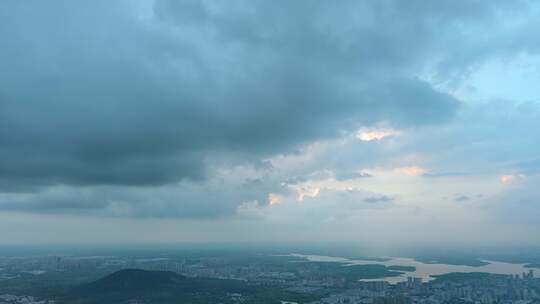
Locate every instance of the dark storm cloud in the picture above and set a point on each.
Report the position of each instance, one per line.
(186, 201)
(55, 202)
(103, 92)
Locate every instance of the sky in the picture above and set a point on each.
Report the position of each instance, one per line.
(368, 122)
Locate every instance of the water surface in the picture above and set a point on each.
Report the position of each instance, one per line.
(424, 270)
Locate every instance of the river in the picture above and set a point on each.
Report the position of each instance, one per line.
(424, 270)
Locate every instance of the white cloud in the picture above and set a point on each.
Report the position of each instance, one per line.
(274, 199)
(307, 192)
(376, 134)
(512, 178)
(413, 170)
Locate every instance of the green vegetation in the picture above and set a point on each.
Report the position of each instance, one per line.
(402, 268)
(49, 283)
(169, 287)
(463, 276)
(350, 272)
(265, 278)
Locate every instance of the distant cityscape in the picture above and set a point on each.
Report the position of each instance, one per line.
(328, 282)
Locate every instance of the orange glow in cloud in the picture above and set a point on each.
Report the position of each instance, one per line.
(369, 135)
(512, 178)
(413, 171)
(274, 199)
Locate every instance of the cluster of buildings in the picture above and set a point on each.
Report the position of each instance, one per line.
(303, 277)
(12, 299)
(473, 289)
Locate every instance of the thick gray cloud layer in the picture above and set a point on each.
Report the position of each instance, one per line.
(100, 98)
(104, 93)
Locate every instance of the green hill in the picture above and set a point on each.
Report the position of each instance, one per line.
(164, 287)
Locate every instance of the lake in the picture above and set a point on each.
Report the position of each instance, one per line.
(424, 270)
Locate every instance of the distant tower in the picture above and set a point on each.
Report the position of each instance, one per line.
(409, 282)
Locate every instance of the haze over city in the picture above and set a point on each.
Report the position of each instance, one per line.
(384, 123)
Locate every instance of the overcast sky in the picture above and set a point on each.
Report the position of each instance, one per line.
(358, 121)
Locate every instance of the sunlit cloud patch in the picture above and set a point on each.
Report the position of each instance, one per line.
(512, 178)
(376, 134)
(412, 171)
